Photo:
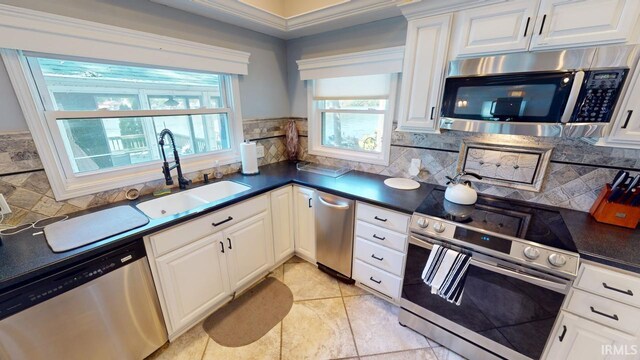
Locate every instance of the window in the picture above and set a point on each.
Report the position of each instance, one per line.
(102, 120)
(351, 117)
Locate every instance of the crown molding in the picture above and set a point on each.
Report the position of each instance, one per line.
(420, 8)
(340, 15)
(37, 31)
(379, 61)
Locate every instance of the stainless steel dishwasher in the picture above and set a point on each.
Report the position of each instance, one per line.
(105, 308)
(334, 234)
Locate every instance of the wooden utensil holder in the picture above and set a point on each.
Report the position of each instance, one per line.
(614, 213)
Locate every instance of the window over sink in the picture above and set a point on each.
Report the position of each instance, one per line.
(102, 119)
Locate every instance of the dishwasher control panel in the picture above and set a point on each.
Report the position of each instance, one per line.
(48, 287)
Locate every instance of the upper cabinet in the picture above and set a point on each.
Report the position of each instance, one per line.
(584, 22)
(423, 72)
(494, 29)
(625, 128)
(522, 25)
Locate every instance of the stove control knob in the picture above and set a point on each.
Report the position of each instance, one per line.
(439, 227)
(422, 222)
(557, 260)
(531, 253)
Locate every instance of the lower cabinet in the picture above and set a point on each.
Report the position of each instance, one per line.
(305, 229)
(575, 338)
(249, 248)
(283, 223)
(193, 279)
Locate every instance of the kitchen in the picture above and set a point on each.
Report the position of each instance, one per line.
(311, 157)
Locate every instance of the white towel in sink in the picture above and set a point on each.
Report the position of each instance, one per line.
(445, 272)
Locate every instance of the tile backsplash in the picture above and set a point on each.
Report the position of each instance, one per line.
(573, 180)
(27, 190)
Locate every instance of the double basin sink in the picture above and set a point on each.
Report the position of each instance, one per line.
(190, 199)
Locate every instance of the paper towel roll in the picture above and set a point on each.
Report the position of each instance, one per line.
(249, 158)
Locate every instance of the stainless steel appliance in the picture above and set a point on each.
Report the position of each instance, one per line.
(106, 308)
(334, 234)
(523, 261)
(570, 93)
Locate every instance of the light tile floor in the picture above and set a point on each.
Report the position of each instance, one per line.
(328, 320)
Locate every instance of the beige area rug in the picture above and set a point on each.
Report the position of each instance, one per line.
(249, 317)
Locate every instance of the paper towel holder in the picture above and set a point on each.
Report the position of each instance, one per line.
(245, 161)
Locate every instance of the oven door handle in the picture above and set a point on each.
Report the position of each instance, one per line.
(573, 96)
(557, 286)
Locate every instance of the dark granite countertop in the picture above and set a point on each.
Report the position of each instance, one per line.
(25, 257)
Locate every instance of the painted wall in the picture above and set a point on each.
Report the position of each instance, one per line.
(371, 36)
(261, 92)
(11, 118)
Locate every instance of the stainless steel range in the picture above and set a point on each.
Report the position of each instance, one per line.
(523, 262)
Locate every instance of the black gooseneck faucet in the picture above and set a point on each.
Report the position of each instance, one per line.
(166, 169)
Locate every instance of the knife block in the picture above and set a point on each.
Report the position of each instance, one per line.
(614, 213)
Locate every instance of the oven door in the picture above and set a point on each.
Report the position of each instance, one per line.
(504, 309)
(519, 103)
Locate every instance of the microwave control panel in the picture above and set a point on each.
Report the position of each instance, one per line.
(599, 94)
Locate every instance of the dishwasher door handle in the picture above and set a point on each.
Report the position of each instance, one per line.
(335, 206)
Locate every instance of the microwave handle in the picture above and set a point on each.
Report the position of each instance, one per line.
(573, 96)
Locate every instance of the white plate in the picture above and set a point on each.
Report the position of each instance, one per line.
(402, 183)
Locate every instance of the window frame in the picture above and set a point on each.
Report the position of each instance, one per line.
(44, 128)
(315, 127)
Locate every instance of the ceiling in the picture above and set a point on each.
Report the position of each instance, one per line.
(288, 19)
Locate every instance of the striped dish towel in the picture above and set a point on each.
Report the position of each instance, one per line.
(445, 272)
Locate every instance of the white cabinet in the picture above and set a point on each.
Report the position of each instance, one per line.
(282, 219)
(193, 279)
(563, 23)
(305, 232)
(506, 27)
(575, 338)
(249, 249)
(625, 131)
(423, 71)
(522, 25)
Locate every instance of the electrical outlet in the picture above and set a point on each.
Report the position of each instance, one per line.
(4, 207)
(260, 151)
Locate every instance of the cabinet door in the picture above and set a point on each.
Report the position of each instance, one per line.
(563, 23)
(305, 231)
(575, 338)
(249, 246)
(424, 66)
(193, 279)
(282, 218)
(626, 127)
(506, 27)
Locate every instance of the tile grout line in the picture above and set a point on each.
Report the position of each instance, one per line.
(205, 347)
(355, 345)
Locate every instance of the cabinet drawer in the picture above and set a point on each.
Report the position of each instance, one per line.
(377, 279)
(383, 217)
(610, 284)
(605, 311)
(382, 236)
(379, 256)
(183, 234)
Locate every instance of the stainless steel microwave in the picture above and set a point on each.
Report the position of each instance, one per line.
(570, 93)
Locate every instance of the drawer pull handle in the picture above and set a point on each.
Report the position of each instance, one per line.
(374, 280)
(544, 18)
(564, 332)
(229, 239)
(379, 237)
(377, 258)
(310, 202)
(612, 317)
(626, 292)
(223, 221)
(380, 219)
(626, 122)
(222, 246)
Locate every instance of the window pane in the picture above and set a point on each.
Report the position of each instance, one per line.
(354, 131)
(370, 104)
(97, 144)
(84, 85)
